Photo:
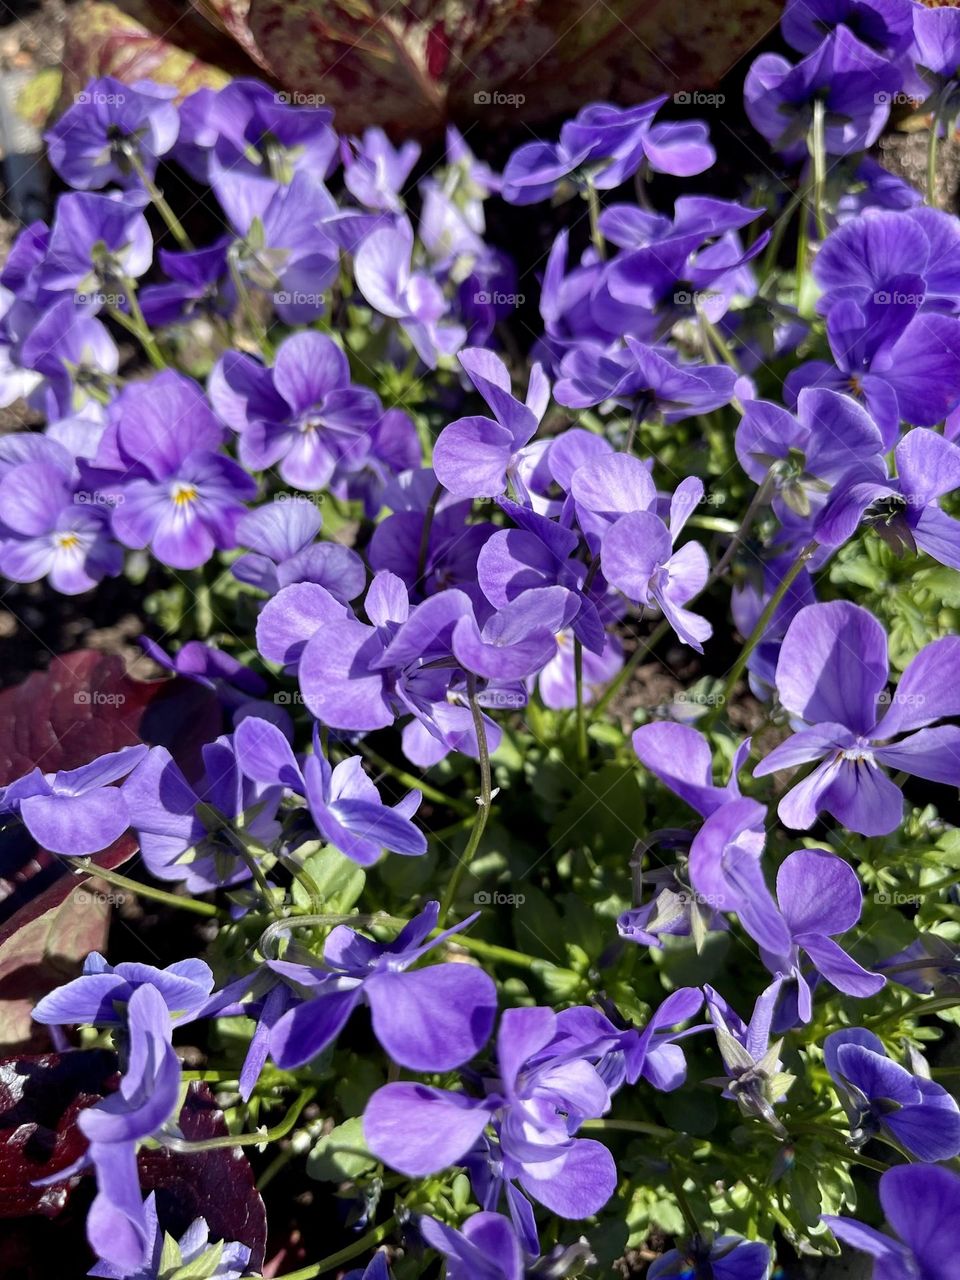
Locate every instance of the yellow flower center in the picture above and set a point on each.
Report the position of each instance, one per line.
(66, 541)
(184, 494)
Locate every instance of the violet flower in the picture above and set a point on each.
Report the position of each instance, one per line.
(184, 498)
(374, 171)
(638, 558)
(831, 674)
(102, 993)
(91, 144)
(903, 364)
(118, 1226)
(478, 457)
(49, 531)
(906, 511)
(680, 756)
(536, 1106)
(431, 1019)
(303, 416)
(921, 1202)
(384, 274)
(199, 284)
(647, 380)
(874, 258)
(818, 896)
(283, 551)
(805, 455)
(885, 26)
(854, 83)
(486, 1248)
(714, 1258)
(190, 834)
(885, 1100)
(96, 245)
(76, 356)
(343, 802)
(754, 1076)
(224, 1260)
(285, 247)
(75, 811)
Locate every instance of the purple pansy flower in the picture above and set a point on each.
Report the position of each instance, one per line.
(184, 498)
(604, 146)
(75, 811)
(647, 380)
(90, 145)
(883, 25)
(854, 84)
(118, 1227)
(486, 1248)
(224, 1260)
(49, 531)
(199, 283)
(76, 355)
(430, 1019)
(714, 1258)
(906, 511)
(285, 244)
(754, 1076)
(818, 896)
(181, 841)
(479, 457)
(374, 171)
(638, 558)
(885, 1100)
(680, 757)
(281, 535)
(870, 258)
(831, 674)
(96, 244)
(303, 416)
(101, 994)
(903, 364)
(343, 802)
(385, 276)
(805, 455)
(921, 1202)
(536, 1105)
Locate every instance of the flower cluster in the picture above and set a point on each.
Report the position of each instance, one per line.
(399, 556)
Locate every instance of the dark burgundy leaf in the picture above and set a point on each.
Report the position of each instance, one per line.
(216, 1185)
(40, 1097)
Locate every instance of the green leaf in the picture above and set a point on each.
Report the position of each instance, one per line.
(329, 873)
(341, 1154)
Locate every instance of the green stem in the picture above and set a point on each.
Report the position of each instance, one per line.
(335, 1260)
(484, 800)
(147, 891)
(249, 311)
(593, 209)
(759, 500)
(246, 1139)
(631, 1126)
(932, 143)
(644, 647)
(818, 149)
(425, 535)
(920, 1008)
(780, 230)
(490, 951)
(762, 623)
(135, 324)
(715, 339)
(160, 202)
